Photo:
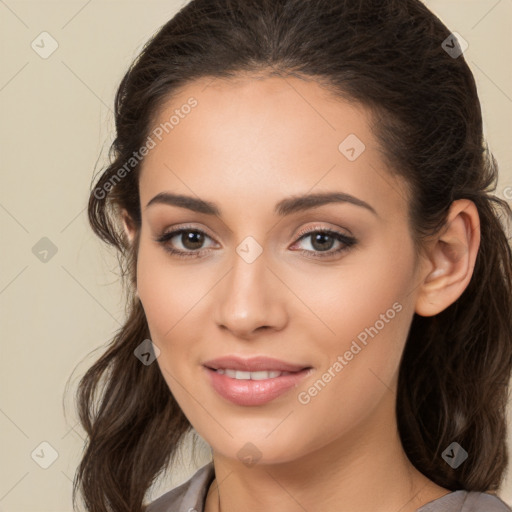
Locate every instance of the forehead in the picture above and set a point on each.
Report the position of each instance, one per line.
(275, 116)
(259, 139)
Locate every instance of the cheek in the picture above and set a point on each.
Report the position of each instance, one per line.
(349, 297)
(170, 294)
(365, 308)
(359, 363)
(168, 290)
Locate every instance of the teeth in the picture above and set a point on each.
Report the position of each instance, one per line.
(241, 375)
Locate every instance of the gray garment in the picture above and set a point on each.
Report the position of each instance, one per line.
(190, 497)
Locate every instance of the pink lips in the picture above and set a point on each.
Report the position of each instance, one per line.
(254, 392)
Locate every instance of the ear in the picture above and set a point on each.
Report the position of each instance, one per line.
(451, 259)
(128, 225)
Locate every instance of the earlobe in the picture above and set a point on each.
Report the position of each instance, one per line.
(452, 257)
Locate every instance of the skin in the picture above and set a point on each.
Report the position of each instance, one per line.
(247, 145)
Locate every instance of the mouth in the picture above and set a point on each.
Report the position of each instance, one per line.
(253, 365)
(256, 381)
(242, 375)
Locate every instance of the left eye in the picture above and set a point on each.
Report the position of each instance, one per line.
(192, 240)
(322, 241)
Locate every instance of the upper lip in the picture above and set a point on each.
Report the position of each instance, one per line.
(253, 364)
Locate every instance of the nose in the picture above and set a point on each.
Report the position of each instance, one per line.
(250, 299)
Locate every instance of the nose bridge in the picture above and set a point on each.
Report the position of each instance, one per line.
(249, 298)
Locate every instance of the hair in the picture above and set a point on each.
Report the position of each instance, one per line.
(386, 55)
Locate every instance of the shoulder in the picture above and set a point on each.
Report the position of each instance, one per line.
(187, 497)
(466, 501)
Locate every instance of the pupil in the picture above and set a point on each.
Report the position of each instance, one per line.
(321, 237)
(192, 239)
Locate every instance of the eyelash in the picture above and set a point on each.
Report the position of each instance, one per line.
(346, 240)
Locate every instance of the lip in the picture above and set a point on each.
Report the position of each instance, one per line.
(254, 392)
(254, 364)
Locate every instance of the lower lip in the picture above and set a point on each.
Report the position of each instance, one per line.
(254, 392)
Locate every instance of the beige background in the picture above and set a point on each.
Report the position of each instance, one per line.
(56, 122)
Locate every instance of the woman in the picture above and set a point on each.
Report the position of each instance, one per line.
(320, 283)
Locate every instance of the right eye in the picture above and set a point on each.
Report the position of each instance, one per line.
(190, 239)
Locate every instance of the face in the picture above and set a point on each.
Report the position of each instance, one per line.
(326, 285)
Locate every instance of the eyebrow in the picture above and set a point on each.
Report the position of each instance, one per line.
(284, 207)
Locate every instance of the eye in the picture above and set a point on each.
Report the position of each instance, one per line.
(322, 241)
(191, 239)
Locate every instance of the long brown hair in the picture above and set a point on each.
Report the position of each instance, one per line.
(389, 55)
